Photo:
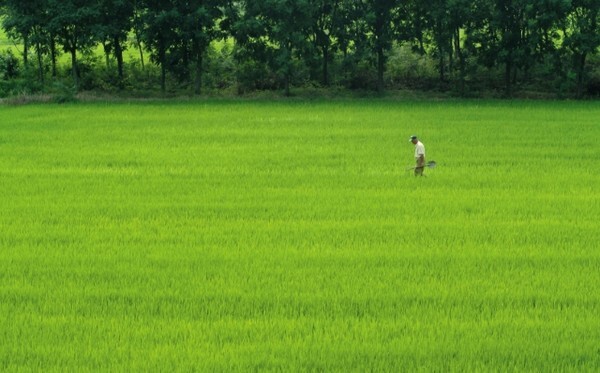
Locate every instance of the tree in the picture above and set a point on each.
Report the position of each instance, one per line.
(380, 19)
(278, 41)
(275, 31)
(518, 34)
(372, 26)
(325, 16)
(445, 21)
(496, 35)
(29, 22)
(582, 35)
(439, 23)
(72, 21)
(350, 31)
(199, 27)
(508, 19)
(112, 27)
(19, 22)
(161, 20)
(138, 26)
(460, 14)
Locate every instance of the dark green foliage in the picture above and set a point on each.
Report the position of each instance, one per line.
(9, 65)
(116, 20)
(74, 22)
(179, 33)
(480, 45)
(582, 36)
(63, 93)
(275, 32)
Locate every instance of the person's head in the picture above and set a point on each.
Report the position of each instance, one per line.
(414, 139)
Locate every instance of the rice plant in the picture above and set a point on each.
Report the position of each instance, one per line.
(245, 236)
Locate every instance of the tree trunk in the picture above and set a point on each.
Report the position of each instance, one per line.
(288, 68)
(106, 48)
(40, 62)
(442, 66)
(198, 82)
(74, 69)
(508, 76)
(287, 84)
(441, 49)
(163, 77)
(421, 44)
(163, 69)
(461, 60)
(138, 42)
(25, 50)
(380, 69)
(185, 61)
(119, 57)
(580, 73)
(326, 65)
(53, 55)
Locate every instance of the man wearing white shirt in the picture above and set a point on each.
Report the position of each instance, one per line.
(419, 155)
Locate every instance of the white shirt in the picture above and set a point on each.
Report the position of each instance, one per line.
(419, 150)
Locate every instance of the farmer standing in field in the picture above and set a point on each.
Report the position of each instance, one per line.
(419, 155)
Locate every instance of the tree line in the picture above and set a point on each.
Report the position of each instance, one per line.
(279, 43)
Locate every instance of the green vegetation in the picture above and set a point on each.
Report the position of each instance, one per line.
(469, 47)
(4, 42)
(289, 236)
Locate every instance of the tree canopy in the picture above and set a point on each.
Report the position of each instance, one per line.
(276, 44)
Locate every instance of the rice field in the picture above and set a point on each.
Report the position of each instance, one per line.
(289, 236)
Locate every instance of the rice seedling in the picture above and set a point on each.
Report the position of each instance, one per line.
(229, 235)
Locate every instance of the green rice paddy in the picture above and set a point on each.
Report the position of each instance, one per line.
(289, 236)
